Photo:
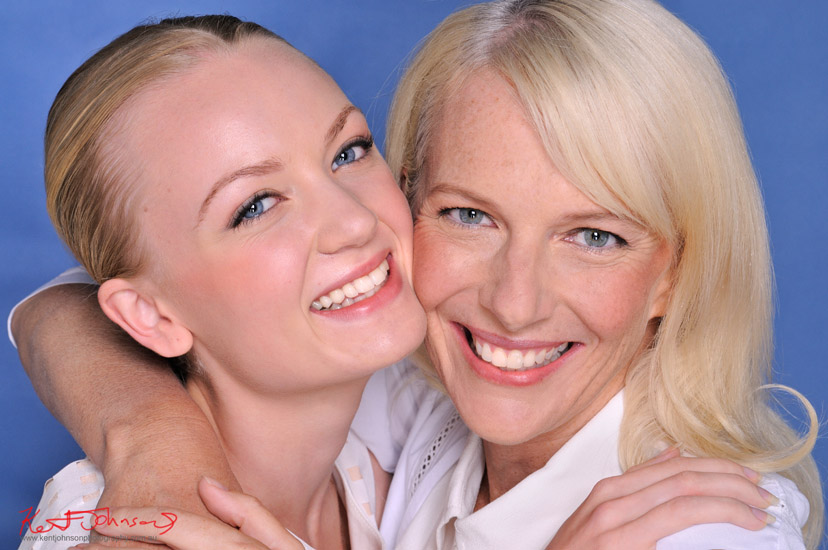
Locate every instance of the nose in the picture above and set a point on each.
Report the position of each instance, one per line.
(344, 221)
(517, 290)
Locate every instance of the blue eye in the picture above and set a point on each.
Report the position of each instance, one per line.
(467, 216)
(254, 207)
(352, 152)
(596, 238)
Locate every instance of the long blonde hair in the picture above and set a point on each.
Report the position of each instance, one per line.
(634, 110)
(88, 191)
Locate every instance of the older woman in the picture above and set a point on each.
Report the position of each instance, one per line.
(538, 317)
(626, 305)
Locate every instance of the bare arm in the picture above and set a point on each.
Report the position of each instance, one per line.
(122, 403)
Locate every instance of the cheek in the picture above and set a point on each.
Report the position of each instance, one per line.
(616, 306)
(441, 268)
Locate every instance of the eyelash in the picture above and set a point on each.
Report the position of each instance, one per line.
(366, 142)
(238, 218)
(446, 213)
(619, 241)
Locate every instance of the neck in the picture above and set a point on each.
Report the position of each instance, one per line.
(282, 448)
(508, 465)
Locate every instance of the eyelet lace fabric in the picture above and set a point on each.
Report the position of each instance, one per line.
(433, 451)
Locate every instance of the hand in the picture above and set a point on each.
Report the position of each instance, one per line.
(247, 525)
(660, 497)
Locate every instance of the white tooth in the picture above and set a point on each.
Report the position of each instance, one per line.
(514, 360)
(316, 305)
(486, 354)
(550, 354)
(384, 265)
(529, 358)
(478, 348)
(498, 357)
(540, 357)
(325, 301)
(371, 292)
(337, 296)
(562, 347)
(378, 275)
(347, 302)
(349, 290)
(364, 284)
(336, 306)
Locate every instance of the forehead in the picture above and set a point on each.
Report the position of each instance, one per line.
(233, 107)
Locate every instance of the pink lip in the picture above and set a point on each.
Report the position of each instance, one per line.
(492, 374)
(360, 271)
(386, 294)
(508, 343)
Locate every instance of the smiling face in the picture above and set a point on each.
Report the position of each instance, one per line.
(537, 299)
(276, 233)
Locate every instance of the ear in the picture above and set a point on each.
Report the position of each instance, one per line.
(139, 315)
(661, 294)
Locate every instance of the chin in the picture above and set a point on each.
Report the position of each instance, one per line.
(502, 425)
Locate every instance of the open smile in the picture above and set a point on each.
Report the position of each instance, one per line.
(354, 291)
(508, 359)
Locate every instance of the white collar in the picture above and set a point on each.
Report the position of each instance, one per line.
(530, 511)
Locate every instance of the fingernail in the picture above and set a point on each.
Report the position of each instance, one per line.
(214, 483)
(752, 475)
(769, 497)
(763, 516)
(666, 454)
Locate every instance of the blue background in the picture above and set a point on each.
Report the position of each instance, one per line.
(775, 53)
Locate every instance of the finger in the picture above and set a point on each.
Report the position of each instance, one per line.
(684, 512)
(104, 541)
(633, 481)
(734, 489)
(246, 513)
(175, 528)
(666, 454)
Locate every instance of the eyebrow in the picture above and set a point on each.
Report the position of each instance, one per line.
(259, 169)
(467, 194)
(340, 121)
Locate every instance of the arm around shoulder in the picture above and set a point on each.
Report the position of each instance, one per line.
(122, 403)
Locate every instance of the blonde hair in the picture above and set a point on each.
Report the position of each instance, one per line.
(634, 110)
(88, 191)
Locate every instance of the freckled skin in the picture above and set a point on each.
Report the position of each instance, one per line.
(528, 274)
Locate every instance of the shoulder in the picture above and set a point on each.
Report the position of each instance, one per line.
(785, 533)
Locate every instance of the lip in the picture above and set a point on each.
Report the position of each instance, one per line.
(492, 374)
(508, 343)
(360, 271)
(386, 294)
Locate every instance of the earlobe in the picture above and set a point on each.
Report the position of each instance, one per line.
(139, 315)
(661, 296)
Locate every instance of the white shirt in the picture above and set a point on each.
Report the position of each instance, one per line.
(528, 516)
(76, 489)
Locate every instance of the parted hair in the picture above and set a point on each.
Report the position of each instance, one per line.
(88, 188)
(635, 111)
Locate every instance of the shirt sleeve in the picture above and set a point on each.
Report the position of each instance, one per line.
(66, 513)
(783, 534)
(75, 275)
